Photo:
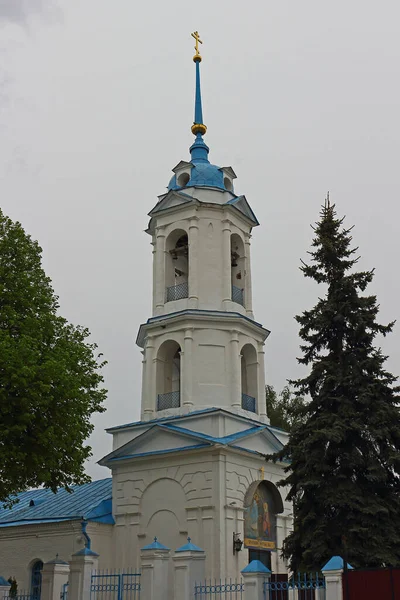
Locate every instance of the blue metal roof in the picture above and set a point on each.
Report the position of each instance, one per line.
(256, 566)
(90, 501)
(156, 545)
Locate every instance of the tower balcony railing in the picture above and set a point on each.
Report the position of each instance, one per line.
(237, 295)
(248, 403)
(177, 292)
(169, 400)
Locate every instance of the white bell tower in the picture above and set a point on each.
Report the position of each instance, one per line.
(202, 347)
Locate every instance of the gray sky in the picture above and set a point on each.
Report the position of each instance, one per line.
(96, 103)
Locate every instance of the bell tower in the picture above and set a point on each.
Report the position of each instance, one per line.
(202, 347)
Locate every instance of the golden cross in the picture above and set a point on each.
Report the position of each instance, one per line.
(196, 36)
(262, 472)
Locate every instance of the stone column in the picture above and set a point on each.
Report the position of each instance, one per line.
(248, 293)
(226, 265)
(193, 263)
(254, 576)
(54, 576)
(333, 573)
(262, 405)
(81, 566)
(148, 382)
(189, 569)
(154, 568)
(187, 369)
(235, 372)
(159, 271)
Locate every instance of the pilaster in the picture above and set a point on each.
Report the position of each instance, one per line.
(226, 265)
(159, 281)
(193, 262)
(235, 371)
(248, 295)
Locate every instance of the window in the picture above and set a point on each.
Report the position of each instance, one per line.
(168, 375)
(36, 579)
(177, 266)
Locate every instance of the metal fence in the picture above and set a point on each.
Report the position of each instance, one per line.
(227, 589)
(248, 403)
(304, 586)
(237, 295)
(113, 585)
(177, 292)
(169, 400)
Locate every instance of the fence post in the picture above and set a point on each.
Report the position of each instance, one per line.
(54, 575)
(254, 576)
(81, 566)
(154, 571)
(189, 568)
(333, 573)
(4, 587)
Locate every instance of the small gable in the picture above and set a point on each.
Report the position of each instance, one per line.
(173, 198)
(156, 440)
(241, 204)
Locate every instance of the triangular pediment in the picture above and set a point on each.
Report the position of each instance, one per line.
(229, 171)
(182, 165)
(173, 198)
(158, 439)
(241, 204)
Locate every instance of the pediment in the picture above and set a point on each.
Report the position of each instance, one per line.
(173, 198)
(158, 439)
(229, 171)
(181, 165)
(262, 442)
(244, 207)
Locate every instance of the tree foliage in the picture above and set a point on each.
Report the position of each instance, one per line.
(50, 380)
(283, 409)
(345, 458)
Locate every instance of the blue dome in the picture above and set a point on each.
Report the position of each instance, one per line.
(202, 174)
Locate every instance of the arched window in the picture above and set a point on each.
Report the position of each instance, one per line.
(249, 373)
(36, 579)
(168, 375)
(237, 269)
(177, 266)
(261, 505)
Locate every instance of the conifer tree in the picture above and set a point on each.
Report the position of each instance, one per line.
(343, 476)
(50, 376)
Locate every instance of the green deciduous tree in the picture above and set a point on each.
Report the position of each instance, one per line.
(283, 409)
(345, 457)
(50, 380)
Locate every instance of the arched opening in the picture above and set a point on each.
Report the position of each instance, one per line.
(36, 579)
(237, 269)
(183, 179)
(168, 375)
(249, 372)
(228, 184)
(261, 505)
(177, 266)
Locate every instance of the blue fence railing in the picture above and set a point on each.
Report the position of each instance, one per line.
(169, 400)
(177, 292)
(237, 295)
(112, 585)
(303, 586)
(248, 403)
(24, 595)
(227, 589)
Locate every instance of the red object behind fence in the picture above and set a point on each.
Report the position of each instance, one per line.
(374, 584)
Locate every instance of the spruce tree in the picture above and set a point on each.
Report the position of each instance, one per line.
(343, 476)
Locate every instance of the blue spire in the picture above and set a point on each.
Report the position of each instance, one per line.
(199, 150)
(198, 110)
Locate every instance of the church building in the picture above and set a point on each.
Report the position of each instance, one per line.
(194, 465)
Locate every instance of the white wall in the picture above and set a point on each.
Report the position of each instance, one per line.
(23, 545)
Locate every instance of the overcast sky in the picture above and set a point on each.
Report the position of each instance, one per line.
(96, 103)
